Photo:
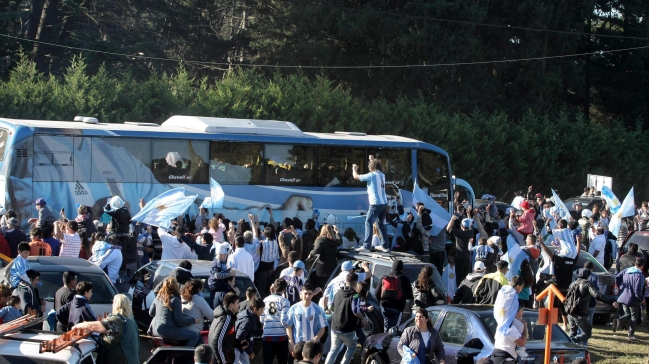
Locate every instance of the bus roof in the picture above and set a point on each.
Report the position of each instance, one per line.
(215, 129)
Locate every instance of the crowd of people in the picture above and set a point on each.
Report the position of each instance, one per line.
(322, 318)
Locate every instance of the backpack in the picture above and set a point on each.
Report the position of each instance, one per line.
(391, 288)
(573, 298)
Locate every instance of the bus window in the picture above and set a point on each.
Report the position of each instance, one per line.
(397, 166)
(180, 161)
(335, 166)
(290, 165)
(236, 163)
(4, 136)
(432, 169)
(53, 158)
(111, 151)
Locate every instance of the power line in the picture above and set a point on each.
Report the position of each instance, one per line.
(464, 22)
(252, 65)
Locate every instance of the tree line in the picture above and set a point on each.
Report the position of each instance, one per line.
(495, 152)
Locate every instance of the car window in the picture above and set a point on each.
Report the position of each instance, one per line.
(162, 274)
(102, 291)
(433, 316)
(171, 356)
(242, 283)
(536, 332)
(587, 257)
(377, 274)
(453, 330)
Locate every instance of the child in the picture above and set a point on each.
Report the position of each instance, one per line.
(482, 250)
(12, 310)
(19, 269)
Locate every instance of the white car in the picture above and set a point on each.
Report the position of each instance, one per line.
(24, 348)
(51, 270)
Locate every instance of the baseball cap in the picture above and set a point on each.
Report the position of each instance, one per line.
(224, 248)
(299, 264)
(479, 266)
(40, 201)
(466, 223)
(13, 222)
(347, 265)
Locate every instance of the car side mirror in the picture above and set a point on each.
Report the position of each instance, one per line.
(394, 331)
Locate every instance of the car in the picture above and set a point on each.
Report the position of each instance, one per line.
(500, 206)
(641, 238)
(584, 201)
(380, 265)
(603, 311)
(52, 268)
(23, 347)
(151, 274)
(467, 332)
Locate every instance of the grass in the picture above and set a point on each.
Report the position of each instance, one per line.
(608, 349)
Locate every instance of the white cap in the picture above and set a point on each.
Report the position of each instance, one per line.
(224, 248)
(479, 266)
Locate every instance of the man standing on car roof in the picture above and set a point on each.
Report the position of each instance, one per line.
(392, 293)
(378, 204)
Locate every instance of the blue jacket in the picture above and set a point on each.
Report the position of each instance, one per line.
(631, 284)
(247, 325)
(80, 311)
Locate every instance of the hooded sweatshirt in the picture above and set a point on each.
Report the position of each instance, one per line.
(464, 293)
(397, 269)
(222, 334)
(344, 319)
(631, 283)
(80, 311)
(246, 326)
(586, 290)
(172, 248)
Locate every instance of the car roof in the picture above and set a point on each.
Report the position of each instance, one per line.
(30, 349)
(478, 309)
(380, 258)
(199, 267)
(61, 264)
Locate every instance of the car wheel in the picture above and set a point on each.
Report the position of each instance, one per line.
(601, 320)
(375, 358)
(374, 324)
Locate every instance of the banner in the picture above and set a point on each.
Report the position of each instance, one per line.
(438, 214)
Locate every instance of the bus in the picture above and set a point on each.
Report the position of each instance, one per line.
(258, 163)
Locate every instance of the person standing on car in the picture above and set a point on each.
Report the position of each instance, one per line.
(344, 322)
(275, 340)
(222, 333)
(424, 290)
(393, 291)
(577, 305)
(378, 203)
(422, 339)
(463, 237)
(631, 283)
(464, 293)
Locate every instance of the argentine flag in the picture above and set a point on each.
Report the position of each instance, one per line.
(560, 207)
(438, 214)
(566, 242)
(217, 196)
(515, 256)
(611, 200)
(626, 209)
(164, 208)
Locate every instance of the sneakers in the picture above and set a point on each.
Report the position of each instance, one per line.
(363, 250)
(382, 249)
(614, 325)
(521, 352)
(632, 338)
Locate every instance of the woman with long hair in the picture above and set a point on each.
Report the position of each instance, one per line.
(349, 239)
(194, 305)
(168, 316)
(525, 295)
(424, 289)
(326, 244)
(85, 251)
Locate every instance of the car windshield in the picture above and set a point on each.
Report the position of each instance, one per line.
(536, 332)
(102, 290)
(583, 257)
(243, 283)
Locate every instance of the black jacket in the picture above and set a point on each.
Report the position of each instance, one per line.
(464, 293)
(182, 276)
(80, 311)
(121, 220)
(247, 326)
(222, 334)
(308, 239)
(407, 294)
(344, 319)
(586, 290)
(204, 252)
(487, 289)
(626, 261)
(63, 296)
(327, 248)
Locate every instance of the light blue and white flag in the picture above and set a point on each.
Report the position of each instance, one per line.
(164, 208)
(547, 267)
(626, 209)
(438, 214)
(505, 308)
(560, 207)
(515, 256)
(566, 242)
(611, 200)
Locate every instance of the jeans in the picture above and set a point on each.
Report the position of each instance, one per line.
(376, 213)
(361, 335)
(437, 259)
(582, 323)
(391, 318)
(630, 314)
(338, 339)
(591, 313)
(241, 357)
(279, 349)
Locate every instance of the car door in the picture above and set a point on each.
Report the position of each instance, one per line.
(454, 331)
(393, 353)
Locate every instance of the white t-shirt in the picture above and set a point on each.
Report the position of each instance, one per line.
(242, 260)
(599, 243)
(506, 342)
(425, 336)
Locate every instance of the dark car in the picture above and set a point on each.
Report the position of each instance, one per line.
(641, 238)
(467, 332)
(380, 265)
(585, 202)
(606, 280)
